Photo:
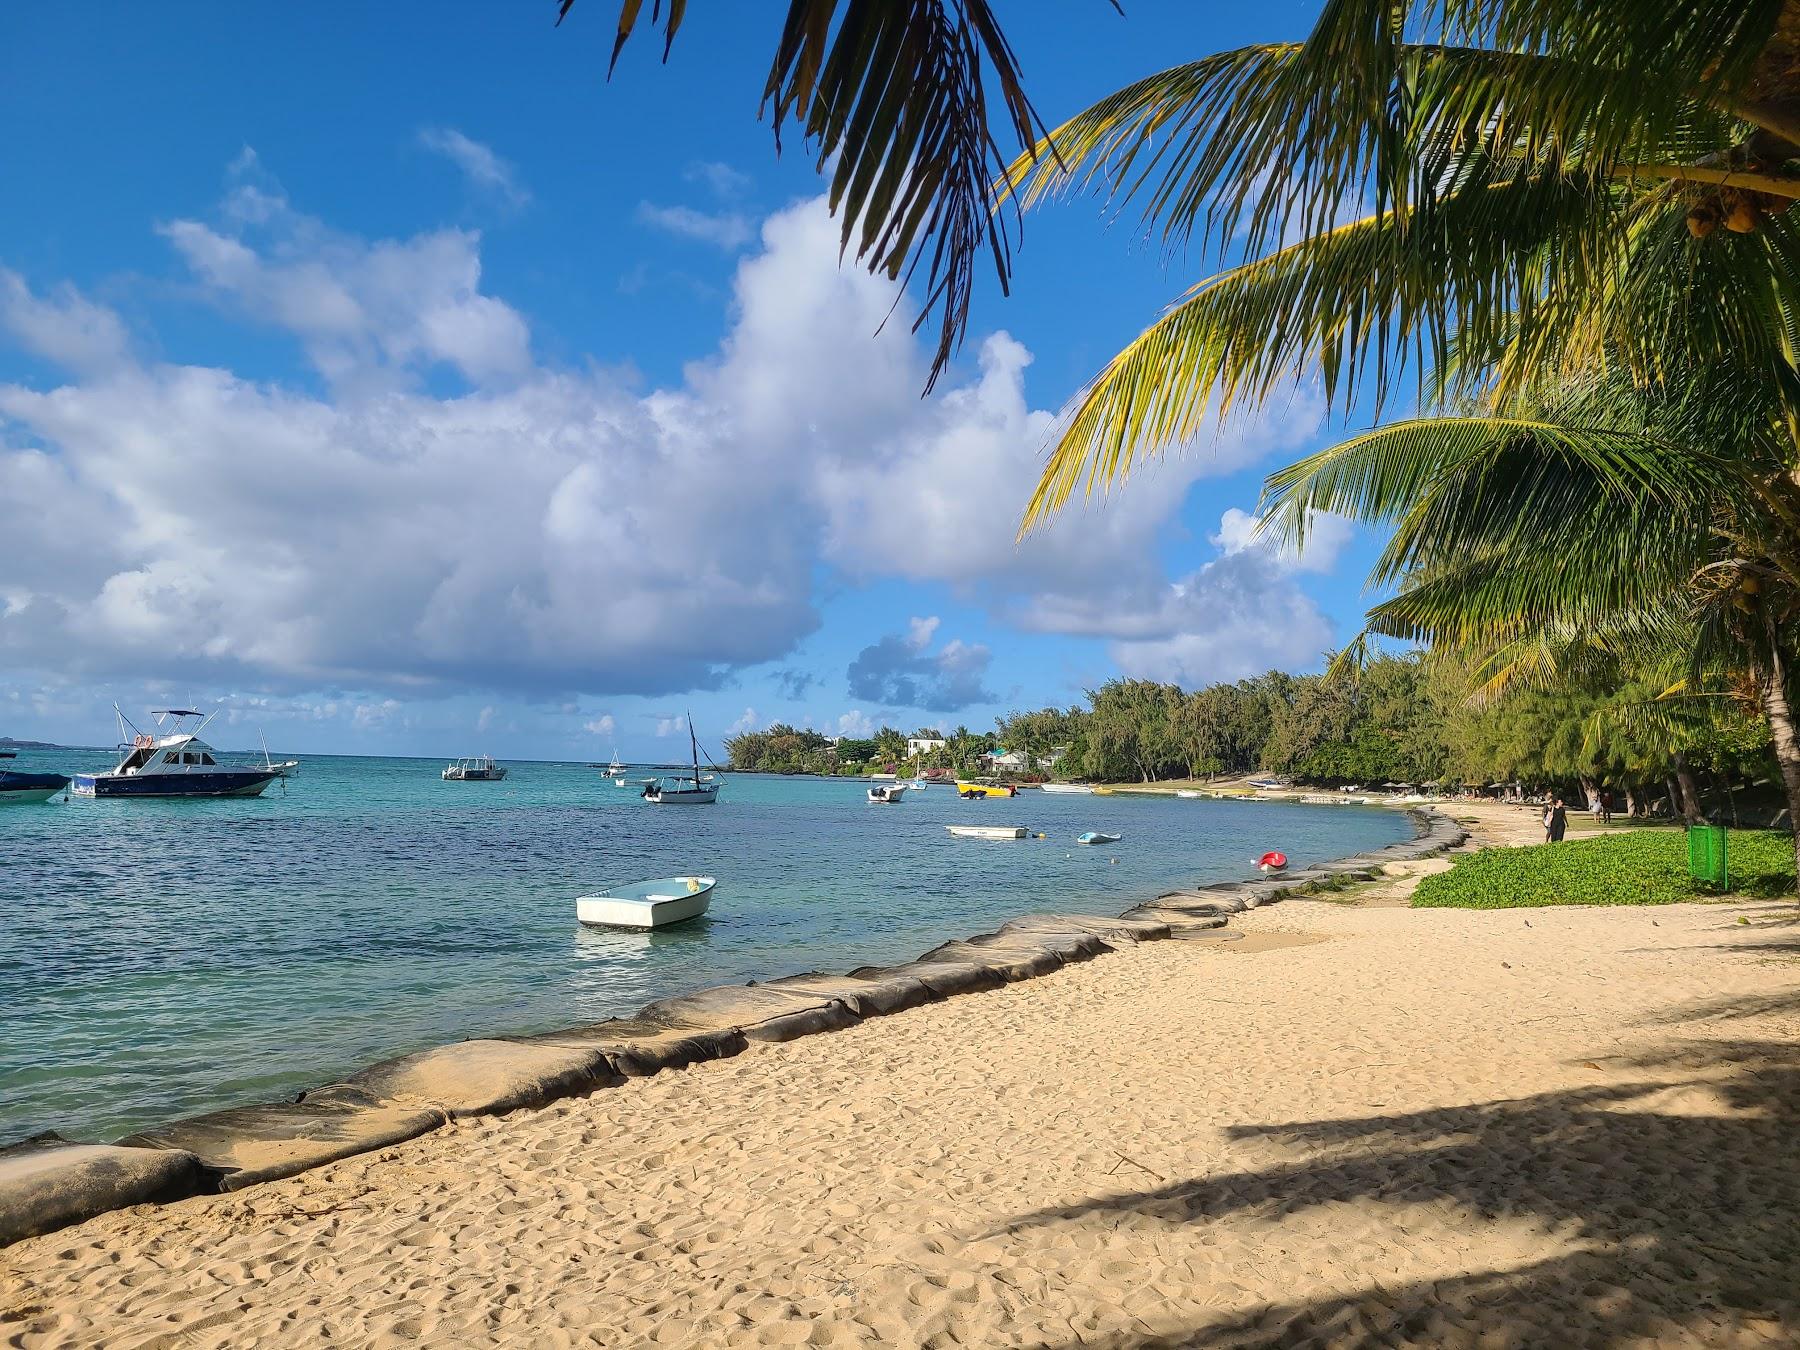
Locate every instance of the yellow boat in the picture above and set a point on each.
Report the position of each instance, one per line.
(1103, 792)
(966, 789)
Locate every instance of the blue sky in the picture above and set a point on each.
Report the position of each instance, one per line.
(406, 387)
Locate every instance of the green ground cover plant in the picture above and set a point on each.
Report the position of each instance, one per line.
(1647, 867)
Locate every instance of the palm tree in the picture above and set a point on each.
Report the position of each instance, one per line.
(1594, 518)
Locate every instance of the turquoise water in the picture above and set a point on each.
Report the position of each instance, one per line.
(165, 958)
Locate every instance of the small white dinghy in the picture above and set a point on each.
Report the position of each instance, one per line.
(647, 904)
(1098, 837)
(987, 831)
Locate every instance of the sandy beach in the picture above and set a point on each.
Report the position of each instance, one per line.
(1350, 1125)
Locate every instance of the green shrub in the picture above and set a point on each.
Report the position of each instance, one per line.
(1639, 867)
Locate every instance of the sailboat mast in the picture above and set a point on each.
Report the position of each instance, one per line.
(694, 743)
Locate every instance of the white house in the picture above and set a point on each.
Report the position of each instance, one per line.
(1007, 759)
(921, 745)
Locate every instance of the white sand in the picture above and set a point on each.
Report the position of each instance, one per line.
(1508, 1129)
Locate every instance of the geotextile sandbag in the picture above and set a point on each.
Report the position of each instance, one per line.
(867, 998)
(248, 1144)
(47, 1182)
(1076, 936)
(1010, 959)
(637, 1048)
(762, 1012)
(1110, 931)
(1196, 903)
(945, 979)
(487, 1077)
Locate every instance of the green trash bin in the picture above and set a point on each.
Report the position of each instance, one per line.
(1706, 856)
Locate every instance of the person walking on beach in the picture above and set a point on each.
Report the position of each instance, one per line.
(1548, 812)
(1594, 805)
(1559, 821)
(1606, 806)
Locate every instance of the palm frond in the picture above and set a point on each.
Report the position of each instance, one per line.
(1361, 301)
(1258, 144)
(895, 96)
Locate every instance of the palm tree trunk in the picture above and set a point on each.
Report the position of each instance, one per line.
(1632, 805)
(1673, 789)
(1773, 680)
(1690, 792)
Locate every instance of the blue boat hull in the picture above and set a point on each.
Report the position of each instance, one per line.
(215, 783)
(30, 787)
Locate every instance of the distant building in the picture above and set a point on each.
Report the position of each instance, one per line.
(921, 745)
(1055, 757)
(1007, 759)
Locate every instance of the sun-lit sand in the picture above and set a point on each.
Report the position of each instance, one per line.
(1514, 1128)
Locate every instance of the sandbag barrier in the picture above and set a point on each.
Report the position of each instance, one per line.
(48, 1182)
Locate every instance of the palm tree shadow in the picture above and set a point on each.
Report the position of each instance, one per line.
(1681, 1202)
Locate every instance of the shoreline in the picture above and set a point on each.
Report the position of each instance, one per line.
(1349, 1126)
(48, 1183)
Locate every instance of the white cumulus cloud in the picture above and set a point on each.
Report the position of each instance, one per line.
(856, 724)
(64, 328)
(483, 168)
(722, 229)
(1327, 536)
(519, 532)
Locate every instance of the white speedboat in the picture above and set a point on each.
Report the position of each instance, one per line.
(1068, 787)
(176, 763)
(887, 793)
(697, 789)
(647, 904)
(475, 769)
(615, 771)
(987, 831)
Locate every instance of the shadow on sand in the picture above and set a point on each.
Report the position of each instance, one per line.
(1679, 1199)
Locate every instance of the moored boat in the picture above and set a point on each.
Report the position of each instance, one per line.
(615, 771)
(474, 769)
(987, 831)
(697, 789)
(175, 764)
(1098, 837)
(1069, 787)
(887, 793)
(18, 786)
(980, 787)
(647, 904)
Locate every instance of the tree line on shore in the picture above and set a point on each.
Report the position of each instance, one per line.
(1412, 719)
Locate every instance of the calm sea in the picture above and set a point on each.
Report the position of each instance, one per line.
(164, 958)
